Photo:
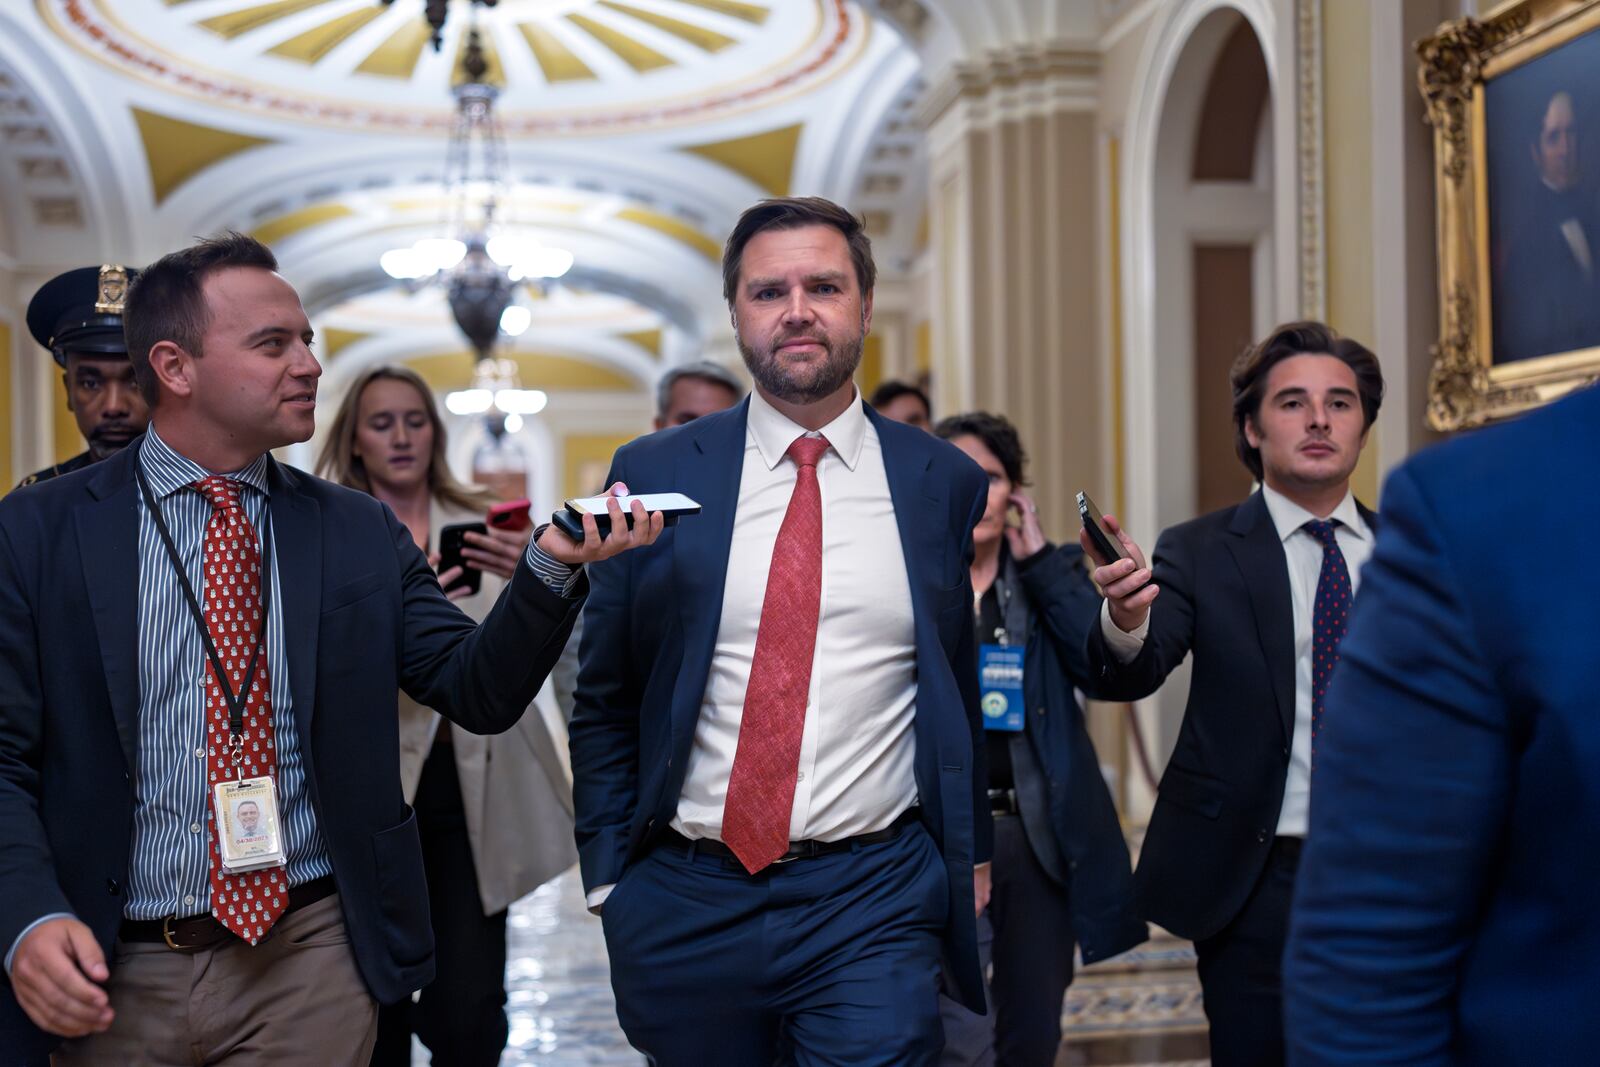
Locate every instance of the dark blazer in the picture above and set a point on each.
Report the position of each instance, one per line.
(1067, 813)
(1445, 910)
(651, 624)
(363, 618)
(1225, 597)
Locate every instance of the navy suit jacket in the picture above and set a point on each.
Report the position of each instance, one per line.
(1225, 597)
(650, 628)
(363, 618)
(1446, 907)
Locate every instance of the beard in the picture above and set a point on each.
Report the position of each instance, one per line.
(810, 383)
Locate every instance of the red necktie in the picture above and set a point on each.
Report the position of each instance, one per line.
(755, 819)
(249, 903)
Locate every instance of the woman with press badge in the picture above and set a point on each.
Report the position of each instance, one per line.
(1061, 872)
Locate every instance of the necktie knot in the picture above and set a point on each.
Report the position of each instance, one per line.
(807, 451)
(223, 493)
(1323, 531)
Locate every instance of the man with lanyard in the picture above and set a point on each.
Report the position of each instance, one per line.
(191, 626)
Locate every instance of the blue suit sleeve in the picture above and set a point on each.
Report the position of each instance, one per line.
(604, 731)
(1409, 797)
(965, 667)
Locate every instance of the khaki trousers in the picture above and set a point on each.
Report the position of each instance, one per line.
(295, 998)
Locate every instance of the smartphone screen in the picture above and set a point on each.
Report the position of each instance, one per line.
(667, 502)
(1105, 545)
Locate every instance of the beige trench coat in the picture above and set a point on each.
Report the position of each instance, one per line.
(515, 787)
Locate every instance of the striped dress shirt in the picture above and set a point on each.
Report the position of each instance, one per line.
(170, 866)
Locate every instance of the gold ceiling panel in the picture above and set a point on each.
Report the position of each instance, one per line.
(559, 63)
(178, 150)
(765, 158)
(236, 23)
(317, 42)
(549, 371)
(753, 13)
(274, 230)
(699, 36)
(638, 55)
(398, 56)
(649, 340)
(674, 228)
(332, 341)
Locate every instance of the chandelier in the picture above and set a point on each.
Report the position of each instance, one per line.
(481, 263)
(436, 11)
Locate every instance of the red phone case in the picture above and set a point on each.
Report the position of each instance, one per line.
(512, 515)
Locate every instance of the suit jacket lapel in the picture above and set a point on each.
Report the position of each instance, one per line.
(297, 549)
(1258, 551)
(708, 470)
(108, 543)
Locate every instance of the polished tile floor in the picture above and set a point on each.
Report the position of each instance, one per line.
(1141, 1008)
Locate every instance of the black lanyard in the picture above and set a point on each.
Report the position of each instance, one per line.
(236, 701)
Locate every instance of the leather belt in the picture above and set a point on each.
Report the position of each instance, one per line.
(198, 932)
(798, 850)
(1003, 802)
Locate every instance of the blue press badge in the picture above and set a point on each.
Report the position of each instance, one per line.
(1000, 682)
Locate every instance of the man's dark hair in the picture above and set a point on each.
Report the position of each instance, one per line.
(165, 302)
(890, 391)
(791, 213)
(997, 435)
(1250, 370)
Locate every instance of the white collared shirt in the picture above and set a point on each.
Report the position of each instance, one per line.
(1303, 553)
(857, 748)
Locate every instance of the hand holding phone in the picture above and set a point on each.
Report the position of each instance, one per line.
(452, 539)
(1120, 571)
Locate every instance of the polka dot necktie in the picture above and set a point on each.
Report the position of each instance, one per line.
(249, 903)
(1329, 617)
(755, 819)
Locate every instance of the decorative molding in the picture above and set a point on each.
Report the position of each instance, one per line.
(1068, 72)
(1311, 172)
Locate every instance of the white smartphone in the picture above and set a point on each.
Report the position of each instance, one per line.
(666, 503)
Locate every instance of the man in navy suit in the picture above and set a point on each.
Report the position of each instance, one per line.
(1258, 593)
(123, 702)
(1446, 908)
(776, 745)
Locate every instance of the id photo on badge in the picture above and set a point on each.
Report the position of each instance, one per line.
(249, 832)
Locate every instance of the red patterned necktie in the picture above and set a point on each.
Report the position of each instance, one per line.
(755, 820)
(1330, 616)
(248, 903)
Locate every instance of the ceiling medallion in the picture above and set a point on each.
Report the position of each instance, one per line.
(798, 49)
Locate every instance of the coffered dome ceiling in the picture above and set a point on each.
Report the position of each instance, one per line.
(565, 66)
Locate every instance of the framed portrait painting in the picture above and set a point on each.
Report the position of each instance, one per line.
(1514, 99)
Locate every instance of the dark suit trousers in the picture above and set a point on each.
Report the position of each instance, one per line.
(1241, 968)
(841, 952)
(460, 1016)
(1030, 948)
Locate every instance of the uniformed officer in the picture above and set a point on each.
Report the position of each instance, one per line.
(78, 317)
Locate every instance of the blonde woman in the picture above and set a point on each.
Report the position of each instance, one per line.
(495, 813)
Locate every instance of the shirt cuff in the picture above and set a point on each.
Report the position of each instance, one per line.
(1125, 646)
(560, 578)
(26, 930)
(597, 896)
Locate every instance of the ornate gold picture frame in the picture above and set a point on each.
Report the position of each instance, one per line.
(1514, 100)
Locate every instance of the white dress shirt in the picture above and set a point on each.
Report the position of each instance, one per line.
(1303, 552)
(857, 747)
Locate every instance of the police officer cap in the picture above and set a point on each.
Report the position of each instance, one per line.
(81, 311)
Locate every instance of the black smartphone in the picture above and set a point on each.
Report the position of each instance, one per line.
(673, 506)
(1105, 545)
(451, 541)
